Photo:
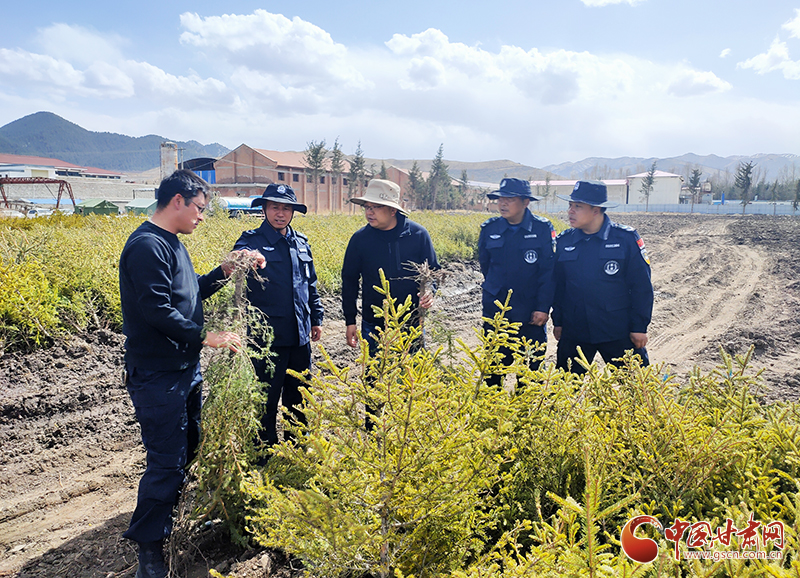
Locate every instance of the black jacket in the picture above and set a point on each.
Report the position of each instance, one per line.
(161, 298)
(371, 249)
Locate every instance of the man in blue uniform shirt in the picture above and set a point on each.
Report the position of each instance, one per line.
(515, 251)
(604, 296)
(286, 291)
(162, 319)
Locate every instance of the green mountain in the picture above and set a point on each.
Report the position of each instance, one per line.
(44, 134)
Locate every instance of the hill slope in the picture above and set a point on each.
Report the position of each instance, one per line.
(768, 167)
(45, 134)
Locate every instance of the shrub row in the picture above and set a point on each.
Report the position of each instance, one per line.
(60, 273)
(458, 479)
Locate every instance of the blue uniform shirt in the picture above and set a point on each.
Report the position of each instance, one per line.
(603, 287)
(519, 258)
(289, 295)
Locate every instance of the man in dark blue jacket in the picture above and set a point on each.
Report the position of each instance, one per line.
(604, 296)
(286, 291)
(162, 318)
(515, 251)
(389, 241)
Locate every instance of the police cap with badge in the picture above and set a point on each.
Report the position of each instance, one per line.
(511, 187)
(279, 194)
(592, 193)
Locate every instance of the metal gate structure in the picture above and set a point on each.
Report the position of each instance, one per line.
(62, 186)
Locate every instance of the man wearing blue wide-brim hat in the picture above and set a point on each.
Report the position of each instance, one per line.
(604, 296)
(286, 291)
(515, 251)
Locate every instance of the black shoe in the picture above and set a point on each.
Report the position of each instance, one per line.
(151, 560)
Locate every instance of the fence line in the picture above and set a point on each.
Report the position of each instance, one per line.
(729, 208)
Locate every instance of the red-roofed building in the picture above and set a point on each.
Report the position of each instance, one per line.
(247, 171)
(30, 166)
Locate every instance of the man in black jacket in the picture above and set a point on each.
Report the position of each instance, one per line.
(162, 318)
(389, 241)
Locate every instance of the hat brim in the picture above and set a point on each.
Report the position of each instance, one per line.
(299, 207)
(363, 200)
(494, 195)
(606, 205)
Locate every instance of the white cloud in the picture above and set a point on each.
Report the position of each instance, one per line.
(20, 65)
(153, 82)
(424, 73)
(689, 82)
(78, 45)
(725, 53)
(793, 26)
(776, 58)
(292, 52)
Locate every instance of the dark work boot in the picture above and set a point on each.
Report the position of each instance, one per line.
(151, 560)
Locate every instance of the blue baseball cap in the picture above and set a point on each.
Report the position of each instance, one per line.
(511, 187)
(592, 193)
(279, 194)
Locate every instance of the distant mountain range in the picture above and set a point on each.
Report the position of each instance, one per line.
(46, 134)
(768, 167)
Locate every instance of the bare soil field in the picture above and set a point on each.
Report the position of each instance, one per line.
(71, 457)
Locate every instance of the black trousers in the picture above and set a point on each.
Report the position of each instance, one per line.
(280, 385)
(167, 405)
(609, 351)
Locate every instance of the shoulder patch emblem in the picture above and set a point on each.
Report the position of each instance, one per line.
(642, 250)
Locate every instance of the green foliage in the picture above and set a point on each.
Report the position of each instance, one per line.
(231, 414)
(357, 173)
(744, 180)
(402, 495)
(73, 262)
(647, 184)
(463, 480)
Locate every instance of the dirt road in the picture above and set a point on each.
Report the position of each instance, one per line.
(70, 456)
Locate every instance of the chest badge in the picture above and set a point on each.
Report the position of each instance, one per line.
(494, 236)
(268, 248)
(531, 256)
(570, 248)
(611, 268)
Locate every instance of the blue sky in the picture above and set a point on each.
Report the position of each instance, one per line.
(535, 82)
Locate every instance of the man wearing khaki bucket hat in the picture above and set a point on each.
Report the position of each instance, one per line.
(389, 241)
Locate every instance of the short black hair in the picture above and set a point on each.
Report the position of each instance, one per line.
(182, 182)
